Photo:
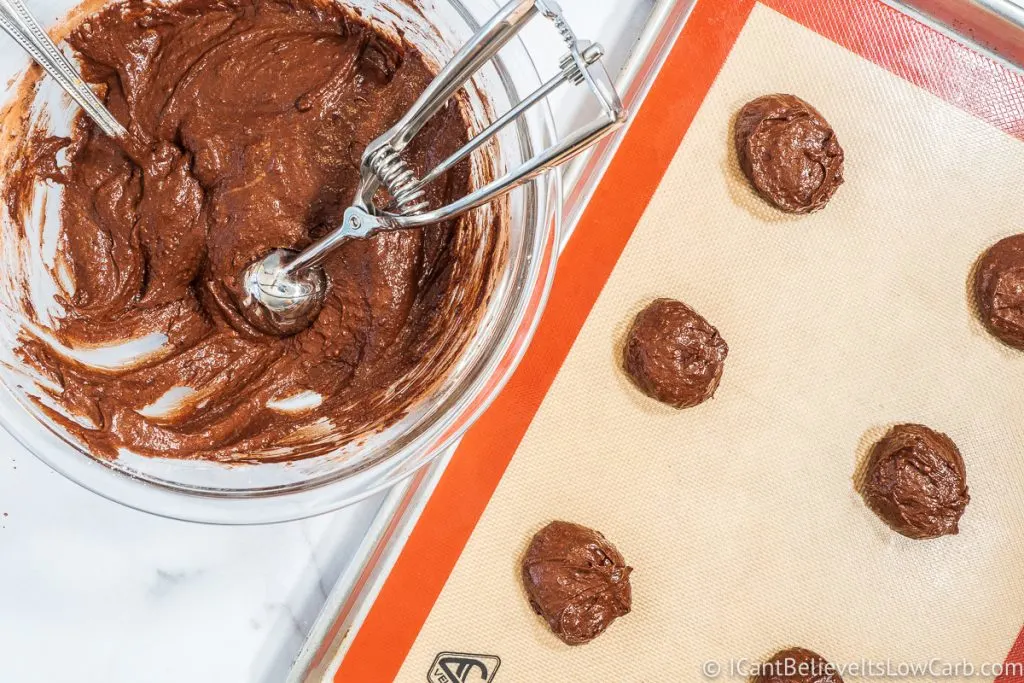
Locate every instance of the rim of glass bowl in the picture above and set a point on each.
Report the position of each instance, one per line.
(461, 407)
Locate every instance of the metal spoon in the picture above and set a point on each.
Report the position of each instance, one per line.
(17, 21)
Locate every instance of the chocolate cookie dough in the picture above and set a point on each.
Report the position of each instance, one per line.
(797, 665)
(576, 580)
(999, 290)
(248, 120)
(916, 482)
(674, 355)
(789, 152)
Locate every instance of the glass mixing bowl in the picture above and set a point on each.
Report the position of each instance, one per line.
(209, 492)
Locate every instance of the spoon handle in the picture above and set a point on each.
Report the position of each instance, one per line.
(18, 22)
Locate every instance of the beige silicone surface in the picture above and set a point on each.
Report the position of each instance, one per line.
(740, 516)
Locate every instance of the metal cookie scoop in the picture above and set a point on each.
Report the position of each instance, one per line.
(18, 22)
(284, 292)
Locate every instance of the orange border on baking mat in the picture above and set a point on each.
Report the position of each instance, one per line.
(869, 28)
(1016, 657)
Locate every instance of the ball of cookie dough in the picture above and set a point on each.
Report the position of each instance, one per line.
(674, 355)
(576, 580)
(797, 665)
(999, 290)
(789, 153)
(915, 480)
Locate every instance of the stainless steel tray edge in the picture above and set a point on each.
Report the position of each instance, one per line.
(351, 598)
(993, 27)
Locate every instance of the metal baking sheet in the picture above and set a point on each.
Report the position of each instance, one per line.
(991, 25)
(353, 596)
(740, 516)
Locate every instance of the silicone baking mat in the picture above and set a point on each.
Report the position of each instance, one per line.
(739, 516)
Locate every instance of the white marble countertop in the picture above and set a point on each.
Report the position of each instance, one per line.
(92, 592)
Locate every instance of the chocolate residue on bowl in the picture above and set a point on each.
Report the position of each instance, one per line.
(248, 119)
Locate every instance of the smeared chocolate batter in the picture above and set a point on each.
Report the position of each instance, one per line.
(915, 480)
(797, 665)
(999, 290)
(248, 120)
(789, 152)
(674, 355)
(576, 580)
